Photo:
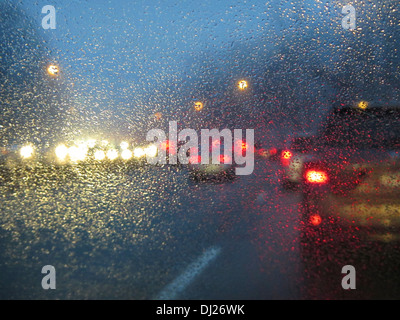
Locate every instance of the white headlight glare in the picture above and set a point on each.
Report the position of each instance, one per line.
(138, 152)
(126, 154)
(26, 152)
(151, 151)
(112, 154)
(124, 145)
(91, 143)
(99, 155)
(77, 154)
(61, 152)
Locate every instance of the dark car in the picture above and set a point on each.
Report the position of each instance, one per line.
(351, 185)
(223, 169)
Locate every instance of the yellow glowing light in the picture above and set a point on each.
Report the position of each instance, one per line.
(363, 105)
(91, 143)
(124, 145)
(61, 152)
(138, 152)
(99, 155)
(104, 142)
(242, 84)
(53, 70)
(77, 153)
(151, 151)
(26, 152)
(112, 154)
(198, 106)
(126, 154)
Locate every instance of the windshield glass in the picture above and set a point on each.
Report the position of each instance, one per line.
(359, 129)
(109, 115)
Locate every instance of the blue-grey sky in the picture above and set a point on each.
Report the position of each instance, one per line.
(145, 37)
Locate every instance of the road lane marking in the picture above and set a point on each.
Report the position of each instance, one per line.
(172, 290)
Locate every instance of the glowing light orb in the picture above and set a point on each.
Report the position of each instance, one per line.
(151, 151)
(363, 105)
(138, 152)
(99, 155)
(112, 154)
(53, 70)
(315, 219)
(91, 143)
(61, 152)
(242, 84)
(124, 145)
(126, 154)
(77, 153)
(26, 152)
(198, 106)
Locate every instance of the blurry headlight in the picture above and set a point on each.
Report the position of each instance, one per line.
(138, 152)
(26, 152)
(112, 154)
(91, 143)
(77, 154)
(61, 152)
(99, 155)
(124, 145)
(126, 154)
(151, 151)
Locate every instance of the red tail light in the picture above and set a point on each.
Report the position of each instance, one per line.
(273, 151)
(168, 146)
(224, 159)
(241, 146)
(195, 159)
(315, 219)
(316, 176)
(286, 155)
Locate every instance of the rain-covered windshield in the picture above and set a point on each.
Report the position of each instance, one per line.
(104, 106)
(358, 129)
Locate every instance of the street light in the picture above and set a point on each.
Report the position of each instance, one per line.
(242, 84)
(198, 106)
(53, 70)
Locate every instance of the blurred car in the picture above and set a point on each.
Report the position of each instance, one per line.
(351, 184)
(224, 170)
(292, 160)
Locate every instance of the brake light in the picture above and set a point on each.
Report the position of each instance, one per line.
(316, 176)
(195, 159)
(224, 159)
(315, 219)
(168, 146)
(241, 146)
(286, 155)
